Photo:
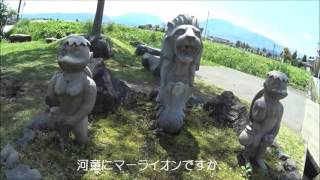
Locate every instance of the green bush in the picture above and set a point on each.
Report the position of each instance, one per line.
(51, 28)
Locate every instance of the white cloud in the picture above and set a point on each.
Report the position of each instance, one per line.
(306, 36)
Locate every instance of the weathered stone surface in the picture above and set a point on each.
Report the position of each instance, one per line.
(101, 48)
(227, 109)
(19, 38)
(281, 155)
(151, 63)
(9, 157)
(38, 122)
(142, 48)
(290, 165)
(180, 58)
(27, 136)
(71, 93)
(111, 92)
(265, 118)
(23, 172)
(293, 175)
(50, 39)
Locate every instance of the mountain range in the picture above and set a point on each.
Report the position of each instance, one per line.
(215, 27)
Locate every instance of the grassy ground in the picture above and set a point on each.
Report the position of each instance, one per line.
(213, 54)
(123, 135)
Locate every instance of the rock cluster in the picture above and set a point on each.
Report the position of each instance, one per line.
(111, 92)
(9, 158)
(227, 109)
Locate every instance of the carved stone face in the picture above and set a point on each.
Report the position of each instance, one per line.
(276, 85)
(74, 54)
(187, 42)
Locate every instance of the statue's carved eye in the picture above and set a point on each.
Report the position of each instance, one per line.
(197, 33)
(180, 32)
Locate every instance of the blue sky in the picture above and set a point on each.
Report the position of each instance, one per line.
(291, 23)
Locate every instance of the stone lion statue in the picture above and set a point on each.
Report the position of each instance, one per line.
(179, 59)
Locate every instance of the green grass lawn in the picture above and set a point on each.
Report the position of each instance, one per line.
(123, 135)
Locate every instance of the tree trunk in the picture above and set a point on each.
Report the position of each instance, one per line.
(96, 29)
(18, 13)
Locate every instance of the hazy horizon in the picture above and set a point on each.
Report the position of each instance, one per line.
(294, 24)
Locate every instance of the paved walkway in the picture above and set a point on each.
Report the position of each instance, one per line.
(246, 86)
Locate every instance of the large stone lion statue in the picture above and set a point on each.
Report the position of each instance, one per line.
(179, 59)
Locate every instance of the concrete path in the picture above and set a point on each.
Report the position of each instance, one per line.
(246, 86)
(310, 130)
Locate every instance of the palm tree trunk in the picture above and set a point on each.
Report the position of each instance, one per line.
(96, 29)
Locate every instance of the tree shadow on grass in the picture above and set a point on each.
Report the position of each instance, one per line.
(179, 148)
(38, 63)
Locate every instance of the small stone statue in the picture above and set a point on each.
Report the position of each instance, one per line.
(265, 118)
(72, 93)
(179, 59)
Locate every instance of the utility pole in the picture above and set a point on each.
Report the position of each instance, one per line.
(18, 13)
(205, 30)
(274, 45)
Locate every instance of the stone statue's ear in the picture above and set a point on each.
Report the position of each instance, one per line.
(170, 26)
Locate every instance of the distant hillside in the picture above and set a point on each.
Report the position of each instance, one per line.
(216, 27)
(224, 29)
(131, 19)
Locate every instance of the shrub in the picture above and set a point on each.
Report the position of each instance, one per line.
(50, 28)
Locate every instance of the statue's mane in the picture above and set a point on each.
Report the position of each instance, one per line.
(278, 75)
(76, 41)
(182, 19)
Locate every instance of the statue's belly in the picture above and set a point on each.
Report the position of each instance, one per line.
(269, 123)
(70, 104)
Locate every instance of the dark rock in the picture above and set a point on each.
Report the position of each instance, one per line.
(142, 48)
(289, 165)
(50, 40)
(153, 93)
(227, 109)
(281, 155)
(151, 63)
(195, 101)
(293, 175)
(136, 43)
(38, 122)
(23, 172)
(9, 157)
(28, 136)
(19, 38)
(111, 92)
(101, 48)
